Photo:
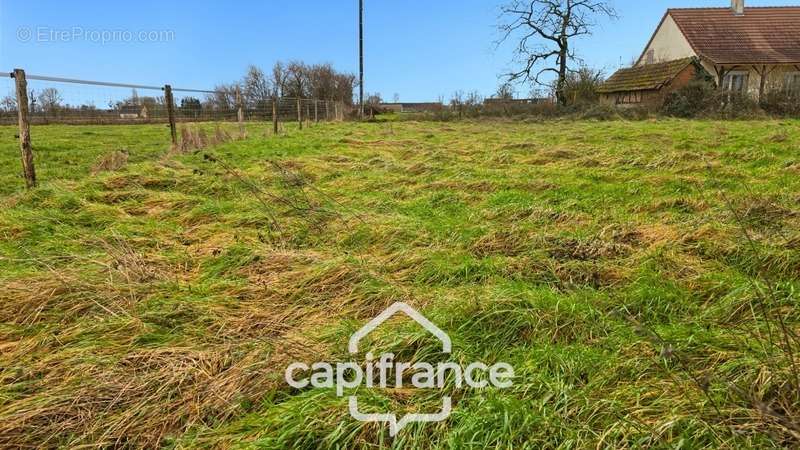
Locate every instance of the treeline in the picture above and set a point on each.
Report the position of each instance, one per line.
(294, 79)
(580, 98)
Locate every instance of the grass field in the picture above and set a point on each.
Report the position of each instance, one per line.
(641, 277)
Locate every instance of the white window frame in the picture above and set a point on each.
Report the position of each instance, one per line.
(727, 82)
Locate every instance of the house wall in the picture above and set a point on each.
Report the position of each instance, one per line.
(633, 98)
(775, 79)
(393, 107)
(682, 79)
(652, 97)
(668, 43)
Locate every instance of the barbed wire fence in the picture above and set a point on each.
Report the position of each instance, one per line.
(32, 100)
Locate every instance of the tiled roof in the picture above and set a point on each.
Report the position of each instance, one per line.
(130, 109)
(644, 77)
(760, 36)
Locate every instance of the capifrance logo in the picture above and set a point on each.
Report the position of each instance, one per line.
(384, 372)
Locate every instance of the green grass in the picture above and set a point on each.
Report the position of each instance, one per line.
(158, 304)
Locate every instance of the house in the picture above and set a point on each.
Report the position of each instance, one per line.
(411, 107)
(133, 112)
(745, 50)
(503, 102)
(648, 83)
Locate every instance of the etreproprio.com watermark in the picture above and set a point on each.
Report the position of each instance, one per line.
(94, 36)
(384, 372)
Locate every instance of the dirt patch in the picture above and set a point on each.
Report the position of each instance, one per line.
(111, 162)
(520, 146)
(780, 137)
(764, 212)
(552, 156)
(564, 249)
(503, 242)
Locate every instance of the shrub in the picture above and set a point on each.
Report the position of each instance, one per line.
(600, 111)
(580, 87)
(738, 106)
(696, 98)
(701, 98)
(782, 103)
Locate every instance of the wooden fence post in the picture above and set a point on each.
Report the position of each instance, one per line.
(171, 113)
(275, 116)
(316, 111)
(24, 129)
(299, 114)
(240, 112)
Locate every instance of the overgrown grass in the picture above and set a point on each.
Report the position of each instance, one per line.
(635, 274)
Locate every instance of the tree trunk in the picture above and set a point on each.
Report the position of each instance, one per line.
(762, 84)
(561, 96)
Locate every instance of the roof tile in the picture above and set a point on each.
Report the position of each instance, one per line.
(768, 35)
(644, 77)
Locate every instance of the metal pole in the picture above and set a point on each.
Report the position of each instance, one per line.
(361, 58)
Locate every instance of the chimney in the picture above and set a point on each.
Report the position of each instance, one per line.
(738, 7)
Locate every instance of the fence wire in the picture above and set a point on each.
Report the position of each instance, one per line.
(8, 101)
(56, 100)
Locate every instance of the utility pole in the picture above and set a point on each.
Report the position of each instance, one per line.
(361, 58)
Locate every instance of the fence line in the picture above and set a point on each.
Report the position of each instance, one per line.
(160, 104)
(216, 106)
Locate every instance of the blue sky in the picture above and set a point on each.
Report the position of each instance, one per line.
(418, 49)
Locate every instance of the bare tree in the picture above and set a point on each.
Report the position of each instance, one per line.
(278, 79)
(223, 98)
(374, 100)
(581, 85)
(8, 103)
(457, 99)
(345, 87)
(473, 99)
(256, 88)
(322, 81)
(50, 100)
(296, 80)
(545, 29)
(505, 91)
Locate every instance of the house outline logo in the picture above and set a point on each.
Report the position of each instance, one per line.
(388, 313)
(396, 425)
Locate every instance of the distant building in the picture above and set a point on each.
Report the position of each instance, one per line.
(745, 50)
(412, 107)
(514, 101)
(133, 112)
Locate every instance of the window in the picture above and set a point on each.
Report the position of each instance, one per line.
(736, 82)
(792, 83)
(627, 98)
(650, 58)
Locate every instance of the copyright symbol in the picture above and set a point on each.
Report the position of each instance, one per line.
(24, 34)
